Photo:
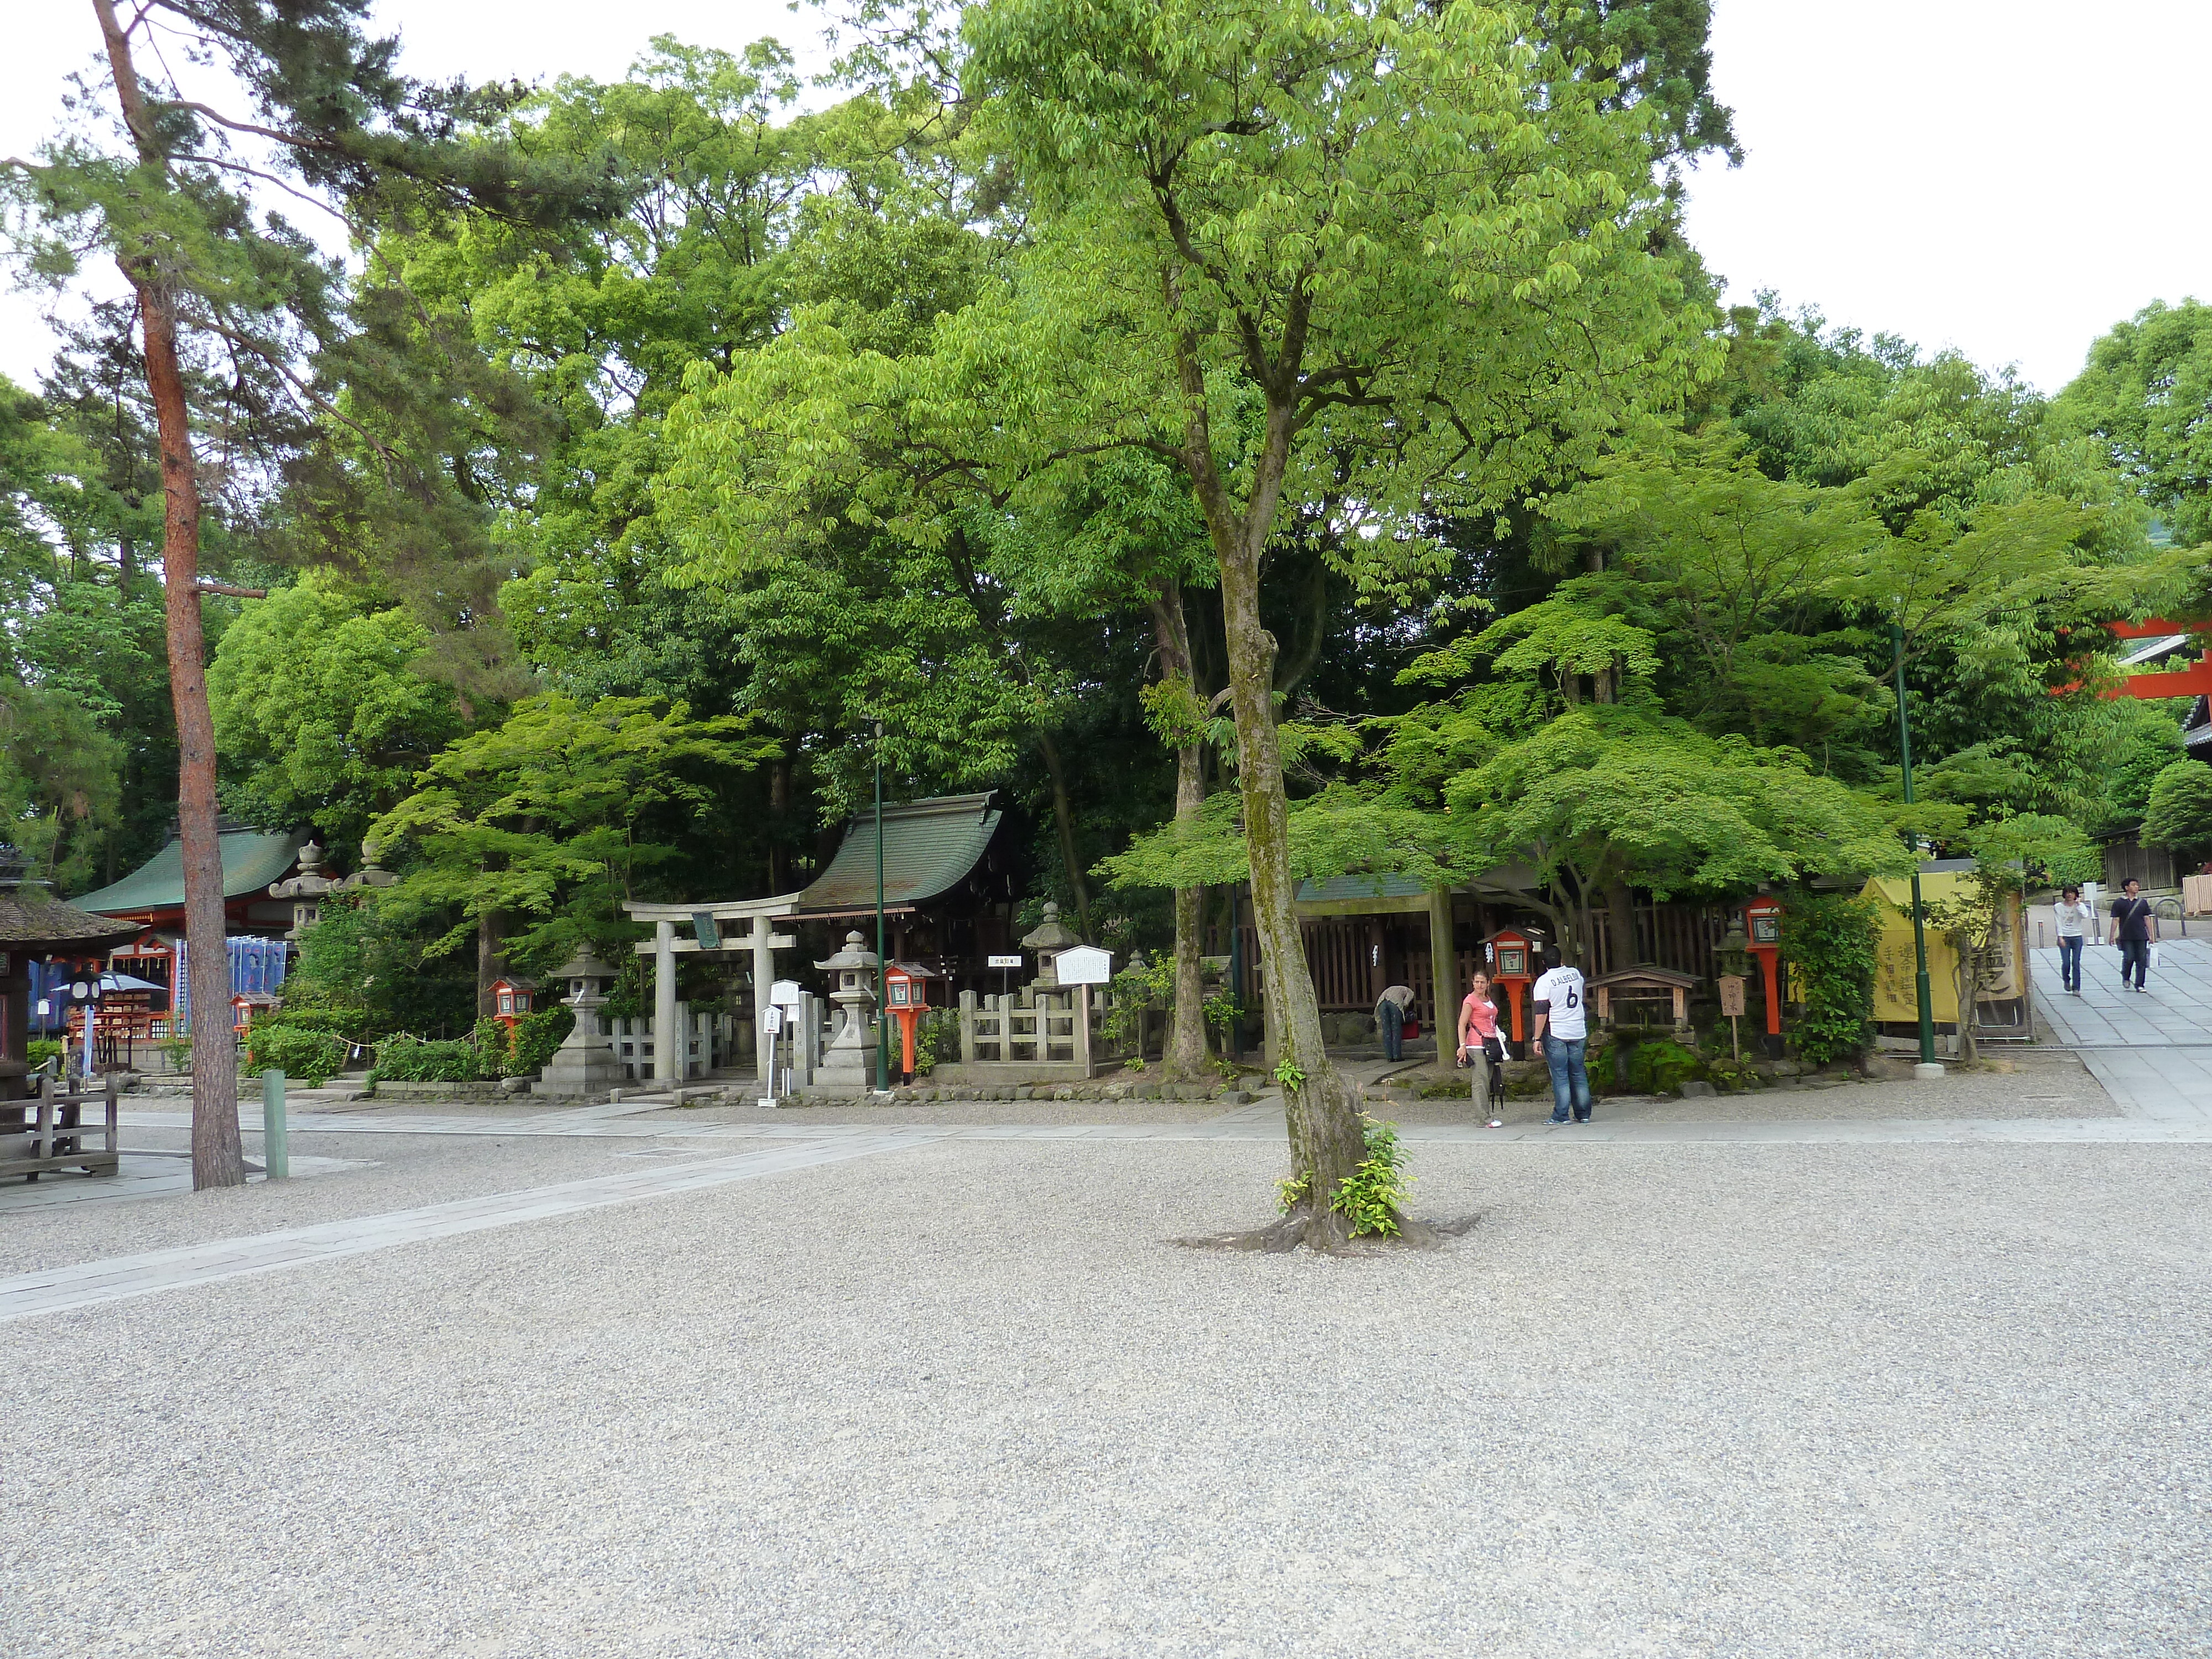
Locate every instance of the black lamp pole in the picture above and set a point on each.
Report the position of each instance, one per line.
(883, 1011)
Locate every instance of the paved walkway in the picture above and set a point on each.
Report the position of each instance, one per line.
(82, 1285)
(2151, 1049)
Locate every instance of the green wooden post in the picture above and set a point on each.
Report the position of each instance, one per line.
(275, 1155)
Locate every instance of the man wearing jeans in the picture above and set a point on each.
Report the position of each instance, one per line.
(1560, 1000)
(2135, 925)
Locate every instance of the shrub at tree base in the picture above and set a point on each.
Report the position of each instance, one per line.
(1369, 1198)
(1828, 940)
(315, 1057)
(38, 1050)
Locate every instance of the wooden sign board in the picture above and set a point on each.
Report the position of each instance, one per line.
(1084, 964)
(1002, 961)
(772, 1020)
(1732, 994)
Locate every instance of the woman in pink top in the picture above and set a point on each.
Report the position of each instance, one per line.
(1478, 1029)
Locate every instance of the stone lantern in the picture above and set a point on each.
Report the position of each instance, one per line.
(305, 889)
(850, 1059)
(1051, 938)
(585, 1063)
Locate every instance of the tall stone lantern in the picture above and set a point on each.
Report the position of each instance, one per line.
(850, 1059)
(585, 1063)
(306, 890)
(1051, 938)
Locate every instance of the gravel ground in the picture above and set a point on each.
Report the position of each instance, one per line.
(1712, 1399)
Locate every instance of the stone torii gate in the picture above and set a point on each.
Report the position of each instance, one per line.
(759, 915)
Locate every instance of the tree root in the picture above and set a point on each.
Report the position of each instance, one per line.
(1324, 1234)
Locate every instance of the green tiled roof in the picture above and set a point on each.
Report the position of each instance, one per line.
(250, 860)
(929, 847)
(1331, 889)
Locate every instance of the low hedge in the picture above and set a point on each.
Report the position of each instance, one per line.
(315, 1057)
(410, 1060)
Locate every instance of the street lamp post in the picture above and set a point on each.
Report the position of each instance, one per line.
(882, 1013)
(1919, 928)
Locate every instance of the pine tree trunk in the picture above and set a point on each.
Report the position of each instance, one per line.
(1186, 1047)
(218, 1160)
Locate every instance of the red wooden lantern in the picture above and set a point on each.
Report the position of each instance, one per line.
(906, 992)
(511, 1000)
(1762, 928)
(1513, 964)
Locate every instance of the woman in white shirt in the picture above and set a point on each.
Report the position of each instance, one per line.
(2076, 920)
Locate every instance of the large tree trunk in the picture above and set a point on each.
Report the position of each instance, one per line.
(1063, 817)
(217, 1158)
(1186, 1050)
(1321, 1109)
(491, 960)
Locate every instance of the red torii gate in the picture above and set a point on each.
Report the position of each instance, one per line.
(2194, 681)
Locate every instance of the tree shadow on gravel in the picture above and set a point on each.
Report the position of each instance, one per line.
(1326, 1236)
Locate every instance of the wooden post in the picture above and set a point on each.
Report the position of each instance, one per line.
(275, 1144)
(1444, 979)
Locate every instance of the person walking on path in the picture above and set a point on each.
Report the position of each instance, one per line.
(1478, 1035)
(2134, 926)
(1559, 1002)
(2077, 920)
(1390, 1016)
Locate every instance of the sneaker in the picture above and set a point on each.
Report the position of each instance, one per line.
(1498, 1123)
(1559, 1120)
(1583, 1119)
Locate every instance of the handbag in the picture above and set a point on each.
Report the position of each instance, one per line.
(2153, 956)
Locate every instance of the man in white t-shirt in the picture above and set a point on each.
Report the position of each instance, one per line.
(1562, 1035)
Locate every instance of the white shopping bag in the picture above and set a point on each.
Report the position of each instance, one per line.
(2154, 958)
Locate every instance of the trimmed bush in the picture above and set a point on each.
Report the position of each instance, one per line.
(1828, 940)
(315, 1057)
(536, 1037)
(410, 1060)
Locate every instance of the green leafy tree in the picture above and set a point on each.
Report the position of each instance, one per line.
(551, 817)
(2146, 395)
(1421, 259)
(320, 711)
(2179, 814)
(217, 284)
(1829, 940)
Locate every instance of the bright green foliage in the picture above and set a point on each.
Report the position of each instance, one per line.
(1655, 1065)
(2146, 396)
(2179, 813)
(314, 1057)
(60, 777)
(2146, 740)
(1829, 939)
(549, 817)
(1370, 1198)
(536, 1037)
(410, 1060)
(1621, 793)
(361, 974)
(321, 714)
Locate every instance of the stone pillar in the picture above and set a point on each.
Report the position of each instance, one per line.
(1443, 972)
(763, 980)
(668, 1033)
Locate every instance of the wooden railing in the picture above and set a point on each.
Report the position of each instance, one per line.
(49, 1132)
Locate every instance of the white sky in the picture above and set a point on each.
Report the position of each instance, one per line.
(2007, 177)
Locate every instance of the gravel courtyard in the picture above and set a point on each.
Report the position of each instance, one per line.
(966, 1397)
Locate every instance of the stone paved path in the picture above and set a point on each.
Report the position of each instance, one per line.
(2151, 1049)
(82, 1284)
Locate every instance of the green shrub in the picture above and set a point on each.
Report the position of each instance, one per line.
(315, 1057)
(1828, 940)
(936, 1040)
(410, 1060)
(349, 1025)
(536, 1037)
(1658, 1066)
(1369, 1198)
(38, 1050)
